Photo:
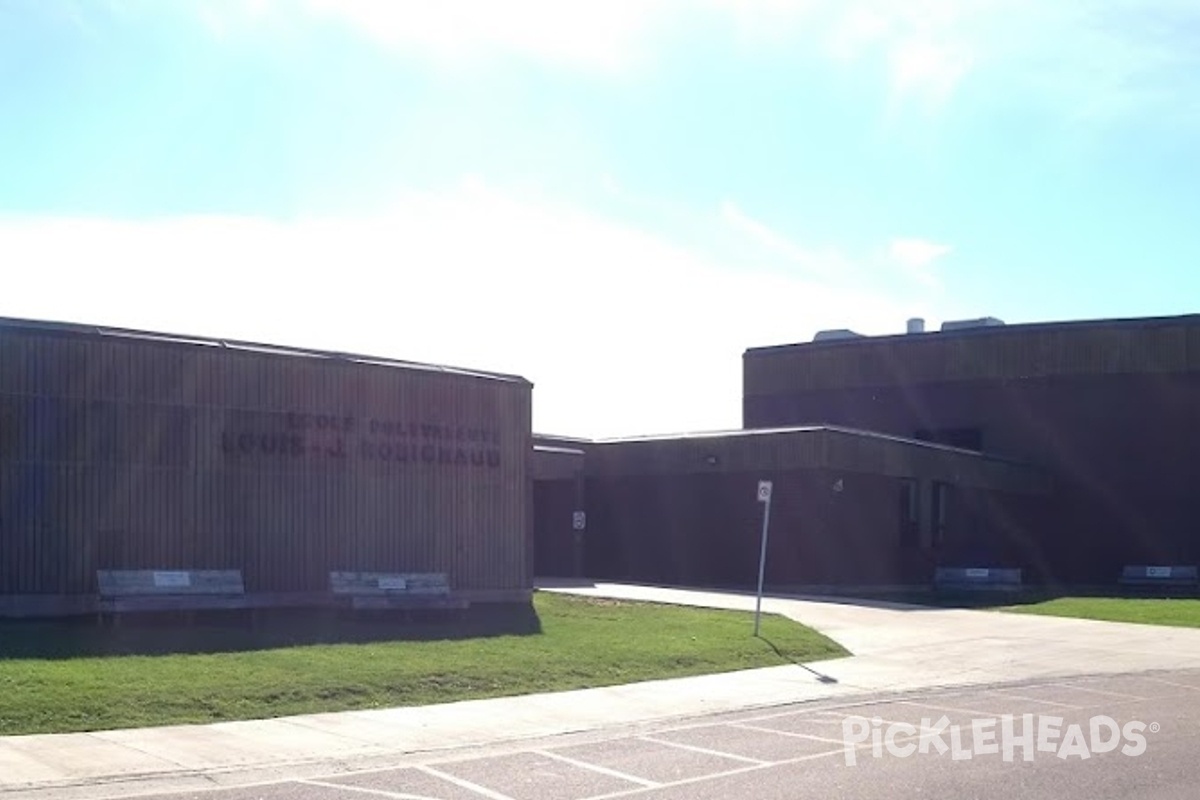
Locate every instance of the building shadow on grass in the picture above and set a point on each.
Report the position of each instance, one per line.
(161, 634)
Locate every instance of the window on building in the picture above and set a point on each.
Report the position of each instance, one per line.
(910, 514)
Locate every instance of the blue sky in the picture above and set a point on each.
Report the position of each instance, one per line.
(614, 199)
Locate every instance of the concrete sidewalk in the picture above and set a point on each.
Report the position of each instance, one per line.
(910, 647)
(896, 649)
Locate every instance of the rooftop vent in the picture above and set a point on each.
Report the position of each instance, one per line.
(964, 324)
(834, 335)
(916, 325)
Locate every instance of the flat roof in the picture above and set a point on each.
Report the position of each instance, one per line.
(26, 326)
(738, 433)
(748, 432)
(990, 330)
(811, 447)
(562, 451)
(550, 437)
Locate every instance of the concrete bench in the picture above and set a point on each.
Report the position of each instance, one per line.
(1172, 576)
(988, 578)
(170, 590)
(383, 590)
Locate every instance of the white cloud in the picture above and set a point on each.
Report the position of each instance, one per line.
(917, 257)
(606, 35)
(1084, 61)
(917, 252)
(828, 264)
(933, 70)
(590, 35)
(758, 22)
(621, 331)
(924, 49)
(873, 270)
(857, 31)
(1118, 60)
(927, 48)
(223, 18)
(919, 40)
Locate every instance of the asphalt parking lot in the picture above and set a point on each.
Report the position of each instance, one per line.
(1110, 737)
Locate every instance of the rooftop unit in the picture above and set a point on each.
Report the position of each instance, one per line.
(836, 334)
(966, 324)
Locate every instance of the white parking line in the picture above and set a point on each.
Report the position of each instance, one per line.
(612, 773)
(705, 750)
(793, 734)
(882, 721)
(739, 771)
(1172, 683)
(847, 708)
(681, 782)
(464, 784)
(365, 790)
(494, 795)
(1039, 700)
(794, 712)
(943, 709)
(824, 713)
(1077, 687)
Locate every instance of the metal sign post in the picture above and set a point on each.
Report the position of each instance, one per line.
(764, 497)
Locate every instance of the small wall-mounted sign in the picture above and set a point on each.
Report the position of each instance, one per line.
(579, 520)
(392, 582)
(764, 491)
(172, 580)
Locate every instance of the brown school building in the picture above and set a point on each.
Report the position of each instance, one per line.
(1067, 451)
(126, 451)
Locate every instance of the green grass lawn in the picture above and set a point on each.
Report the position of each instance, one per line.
(1151, 611)
(582, 643)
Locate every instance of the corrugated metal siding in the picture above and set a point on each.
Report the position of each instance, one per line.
(685, 455)
(120, 453)
(810, 449)
(704, 530)
(997, 354)
(556, 465)
(1192, 347)
(1120, 449)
